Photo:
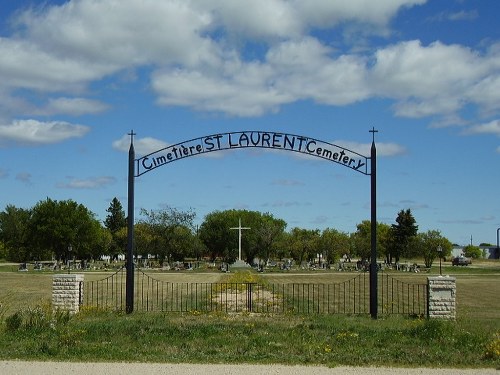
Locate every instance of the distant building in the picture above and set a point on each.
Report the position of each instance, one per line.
(489, 252)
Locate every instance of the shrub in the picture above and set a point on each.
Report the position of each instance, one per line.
(14, 321)
(493, 348)
(3, 306)
(473, 252)
(36, 318)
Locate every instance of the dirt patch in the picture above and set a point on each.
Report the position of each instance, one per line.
(244, 300)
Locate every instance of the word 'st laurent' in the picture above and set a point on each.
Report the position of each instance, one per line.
(226, 141)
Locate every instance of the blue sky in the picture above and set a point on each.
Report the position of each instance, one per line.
(76, 76)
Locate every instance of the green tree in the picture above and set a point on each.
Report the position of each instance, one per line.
(115, 222)
(383, 240)
(427, 245)
(361, 240)
(333, 244)
(181, 245)
(282, 246)
(161, 228)
(401, 234)
(268, 231)
(100, 244)
(304, 243)
(14, 234)
(214, 232)
(222, 241)
(3, 251)
(474, 252)
(197, 247)
(55, 225)
(143, 240)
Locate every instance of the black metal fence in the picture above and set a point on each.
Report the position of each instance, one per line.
(346, 297)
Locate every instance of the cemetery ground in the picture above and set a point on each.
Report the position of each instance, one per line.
(472, 341)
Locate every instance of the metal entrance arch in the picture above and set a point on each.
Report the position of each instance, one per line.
(260, 139)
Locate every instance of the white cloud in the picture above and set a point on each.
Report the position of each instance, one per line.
(122, 33)
(196, 52)
(285, 204)
(492, 127)
(263, 19)
(486, 92)
(272, 19)
(21, 67)
(324, 13)
(74, 106)
(383, 149)
(244, 92)
(142, 146)
(456, 16)
(24, 177)
(306, 69)
(464, 15)
(427, 80)
(419, 78)
(292, 71)
(89, 183)
(390, 149)
(319, 220)
(284, 182)
(33, 132)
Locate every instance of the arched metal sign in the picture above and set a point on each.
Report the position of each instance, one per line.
(245, 139)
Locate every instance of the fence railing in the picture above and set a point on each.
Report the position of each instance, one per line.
(346, 297)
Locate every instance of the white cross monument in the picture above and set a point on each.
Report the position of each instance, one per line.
(240, 228)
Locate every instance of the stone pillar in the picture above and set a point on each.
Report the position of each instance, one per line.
(67, 292)
(441, 297)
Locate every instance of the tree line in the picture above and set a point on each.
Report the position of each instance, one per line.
(62, 230)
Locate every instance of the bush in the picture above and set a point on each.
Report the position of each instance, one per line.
(14, 321)
(36, 318)
(493, 348)
(473, 252)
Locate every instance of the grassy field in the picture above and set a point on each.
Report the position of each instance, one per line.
(471, 341)
(478, 286)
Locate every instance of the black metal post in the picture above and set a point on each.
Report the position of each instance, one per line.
(440, 252)
(129, 292)
(498, 247)
(373, 262)
(249, 296)
(70, 249)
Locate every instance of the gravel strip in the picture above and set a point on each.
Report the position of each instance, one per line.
(67, 368)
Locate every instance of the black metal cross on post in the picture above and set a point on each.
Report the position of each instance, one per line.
(131, 136)
(373, 131)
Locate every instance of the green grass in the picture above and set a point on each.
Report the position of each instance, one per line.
(291, 340)
(473, 340)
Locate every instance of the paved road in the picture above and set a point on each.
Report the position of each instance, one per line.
(63, 368)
